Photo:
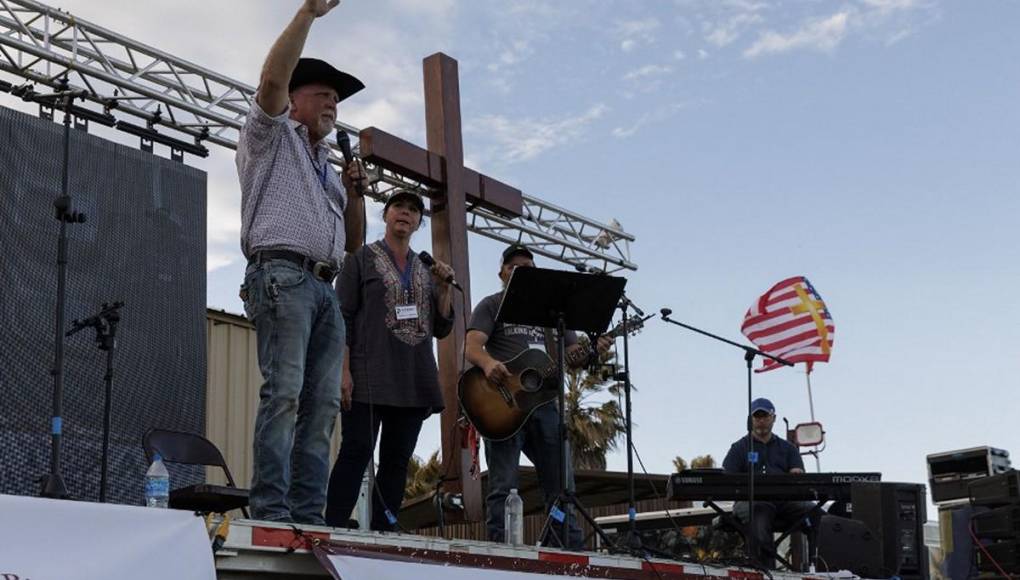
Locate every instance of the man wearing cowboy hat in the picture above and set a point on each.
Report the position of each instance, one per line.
(297, 219)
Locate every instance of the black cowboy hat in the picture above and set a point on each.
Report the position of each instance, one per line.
(313, 70)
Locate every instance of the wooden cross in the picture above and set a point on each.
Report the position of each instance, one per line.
(441, 167)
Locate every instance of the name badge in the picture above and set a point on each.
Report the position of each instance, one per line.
(409, 312)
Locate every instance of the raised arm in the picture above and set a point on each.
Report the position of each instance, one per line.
(283, 56)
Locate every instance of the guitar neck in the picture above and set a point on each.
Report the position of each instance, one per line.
(577, 355)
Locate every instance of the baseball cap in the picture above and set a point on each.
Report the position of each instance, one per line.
(404, 194)
(762, 404)
(514, 250)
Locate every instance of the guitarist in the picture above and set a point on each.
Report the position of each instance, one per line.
(488, 343)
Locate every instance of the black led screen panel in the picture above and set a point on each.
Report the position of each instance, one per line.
(144, 243)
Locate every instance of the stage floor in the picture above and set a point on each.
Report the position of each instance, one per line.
(259, 550)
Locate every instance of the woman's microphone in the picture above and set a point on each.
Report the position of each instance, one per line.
(427, 259)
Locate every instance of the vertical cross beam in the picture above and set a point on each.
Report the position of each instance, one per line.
(449, 244)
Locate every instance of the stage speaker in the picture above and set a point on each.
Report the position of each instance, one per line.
(845, 544)
(997, 490)
(949, 472)
(896, 513)
(1001, 523)
(1005, 554)
(144, 243)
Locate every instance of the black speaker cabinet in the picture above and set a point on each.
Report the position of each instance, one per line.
(845, 544)
(950, 472)
(1002, 489)
(1001, 523)
(1006, 555)
(896, 513)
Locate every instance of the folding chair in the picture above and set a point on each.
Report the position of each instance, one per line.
(193, 449)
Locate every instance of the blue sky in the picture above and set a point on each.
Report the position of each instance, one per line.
(870, 145)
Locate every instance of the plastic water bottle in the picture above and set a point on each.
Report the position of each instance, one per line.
(513, 519)
(157, 484)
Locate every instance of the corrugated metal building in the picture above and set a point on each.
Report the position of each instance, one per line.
(232, 397)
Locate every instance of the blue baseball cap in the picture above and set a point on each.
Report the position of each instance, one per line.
(762, 404)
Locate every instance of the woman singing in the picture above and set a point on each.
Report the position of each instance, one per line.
(393, 304)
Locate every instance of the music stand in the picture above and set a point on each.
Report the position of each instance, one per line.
(561, 300)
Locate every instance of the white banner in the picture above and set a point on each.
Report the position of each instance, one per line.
(46, 539)
(358, 568)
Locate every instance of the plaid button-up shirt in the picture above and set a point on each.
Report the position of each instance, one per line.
(291, 199)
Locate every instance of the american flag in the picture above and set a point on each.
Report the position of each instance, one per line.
(792, 322)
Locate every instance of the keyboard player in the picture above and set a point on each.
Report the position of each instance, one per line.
(775, 455)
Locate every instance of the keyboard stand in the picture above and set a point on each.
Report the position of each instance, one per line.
(742, 528)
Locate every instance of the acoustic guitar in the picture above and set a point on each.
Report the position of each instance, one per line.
(498, 411)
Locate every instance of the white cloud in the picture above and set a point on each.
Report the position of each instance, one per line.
(636, 32)
(217, 260)
(517, 52)
(656, 116)
(823, 35)
(679, 55)
(519, 140)
(643, 27)
(702, 54)
(725, 33)
(437, 9)
(892, 5)
(649, 70)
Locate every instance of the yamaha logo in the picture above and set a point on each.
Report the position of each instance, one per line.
(854, 478)
(687, 480)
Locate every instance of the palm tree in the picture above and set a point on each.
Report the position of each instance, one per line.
(699, 462)
(422, 477)
(593, 423)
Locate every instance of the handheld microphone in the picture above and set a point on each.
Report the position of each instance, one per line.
(665, 312)
(343, 141)
(427, 259)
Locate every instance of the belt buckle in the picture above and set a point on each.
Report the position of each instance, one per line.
(323, 271)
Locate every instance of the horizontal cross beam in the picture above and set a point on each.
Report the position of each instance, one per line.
(399, 156)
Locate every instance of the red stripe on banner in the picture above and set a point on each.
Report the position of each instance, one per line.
(563, 558)
(745, 575)
(778, 346)
(781, 326)
(660, 568)
(789, 282)
(775, 298)
(278, 538)
(748, 321)
(797, 358)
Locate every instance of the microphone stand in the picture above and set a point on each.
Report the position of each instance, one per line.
(752, 456)
(632, 539)
(105, 323)
(53, 483)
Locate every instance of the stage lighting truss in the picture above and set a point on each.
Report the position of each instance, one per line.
(41, 45)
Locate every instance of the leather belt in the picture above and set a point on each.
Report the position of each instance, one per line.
(321, 270)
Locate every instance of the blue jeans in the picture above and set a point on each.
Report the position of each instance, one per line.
(539, 439)
(300, 335)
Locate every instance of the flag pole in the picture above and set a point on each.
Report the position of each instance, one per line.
(811, 406)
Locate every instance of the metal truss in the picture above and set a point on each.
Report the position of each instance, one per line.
(184, 105)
